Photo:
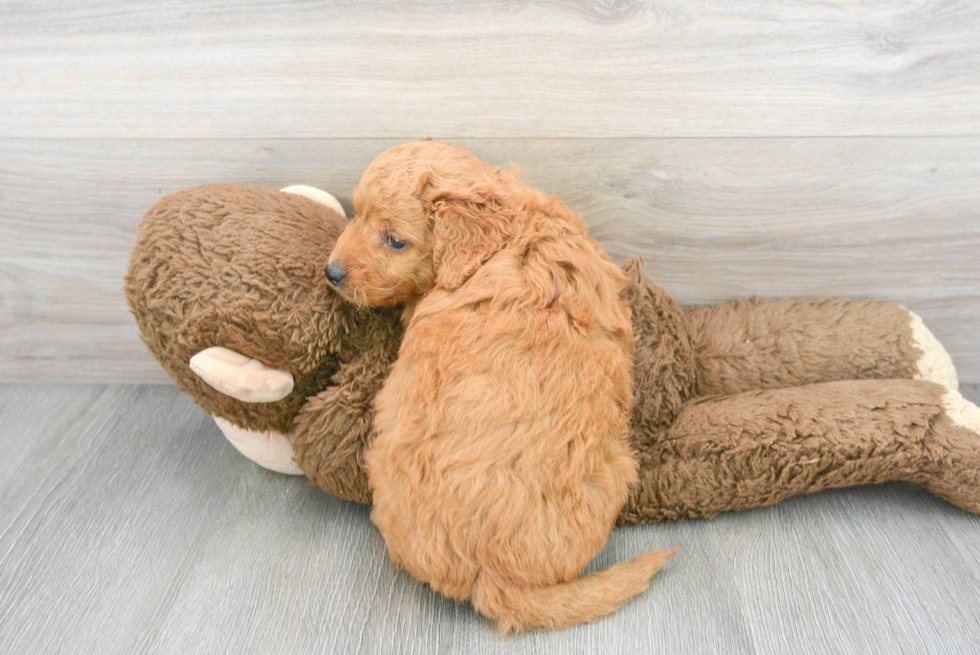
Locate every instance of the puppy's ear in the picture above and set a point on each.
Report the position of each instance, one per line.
(469, 225)
(423, 181)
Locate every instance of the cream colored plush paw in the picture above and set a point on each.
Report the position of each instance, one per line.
(270, 450)
(316, 195)
(935, 364)
(241, 377)
(961, 411)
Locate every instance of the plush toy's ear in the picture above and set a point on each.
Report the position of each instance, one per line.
(469, 223)
(316, 195)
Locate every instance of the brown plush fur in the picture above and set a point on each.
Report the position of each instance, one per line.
(181, 305)
(500, 459)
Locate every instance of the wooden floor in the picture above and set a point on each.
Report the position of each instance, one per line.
(129, 525)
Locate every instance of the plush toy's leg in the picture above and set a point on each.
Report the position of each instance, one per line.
(760, 344)
(757, 448)
(270, 450)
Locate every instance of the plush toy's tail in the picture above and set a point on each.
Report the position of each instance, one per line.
(583, 599)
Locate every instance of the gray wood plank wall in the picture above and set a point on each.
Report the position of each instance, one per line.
(797, 148)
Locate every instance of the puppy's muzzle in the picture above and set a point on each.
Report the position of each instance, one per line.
(336, 274)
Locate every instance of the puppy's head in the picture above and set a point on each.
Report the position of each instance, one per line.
(428, 215)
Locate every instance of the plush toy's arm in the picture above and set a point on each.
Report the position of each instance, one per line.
(757, 448)
(759, 344)
(250, 381)
(333, 428)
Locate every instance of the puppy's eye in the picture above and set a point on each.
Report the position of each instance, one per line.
(395, 243)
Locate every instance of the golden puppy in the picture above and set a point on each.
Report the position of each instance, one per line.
(500, 460)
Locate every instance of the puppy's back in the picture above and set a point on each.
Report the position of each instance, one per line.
(502, 459)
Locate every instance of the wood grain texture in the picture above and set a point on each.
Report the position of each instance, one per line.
(104, 514)
(866, 578)
(130, 526)
(715, 219)
(578, 68)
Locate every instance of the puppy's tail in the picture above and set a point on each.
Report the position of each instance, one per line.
(565, 604)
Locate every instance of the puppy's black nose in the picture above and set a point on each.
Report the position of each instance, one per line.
(335, 274)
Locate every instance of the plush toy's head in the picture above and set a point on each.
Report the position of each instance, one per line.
(242, 268)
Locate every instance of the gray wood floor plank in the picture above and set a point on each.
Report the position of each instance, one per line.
(855, 571)
(49, 417)
(100, 523)
(290, 570)
(242, 69)
(715, 219)
(130, 526)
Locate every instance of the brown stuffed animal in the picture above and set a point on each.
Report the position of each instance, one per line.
(736, 406)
